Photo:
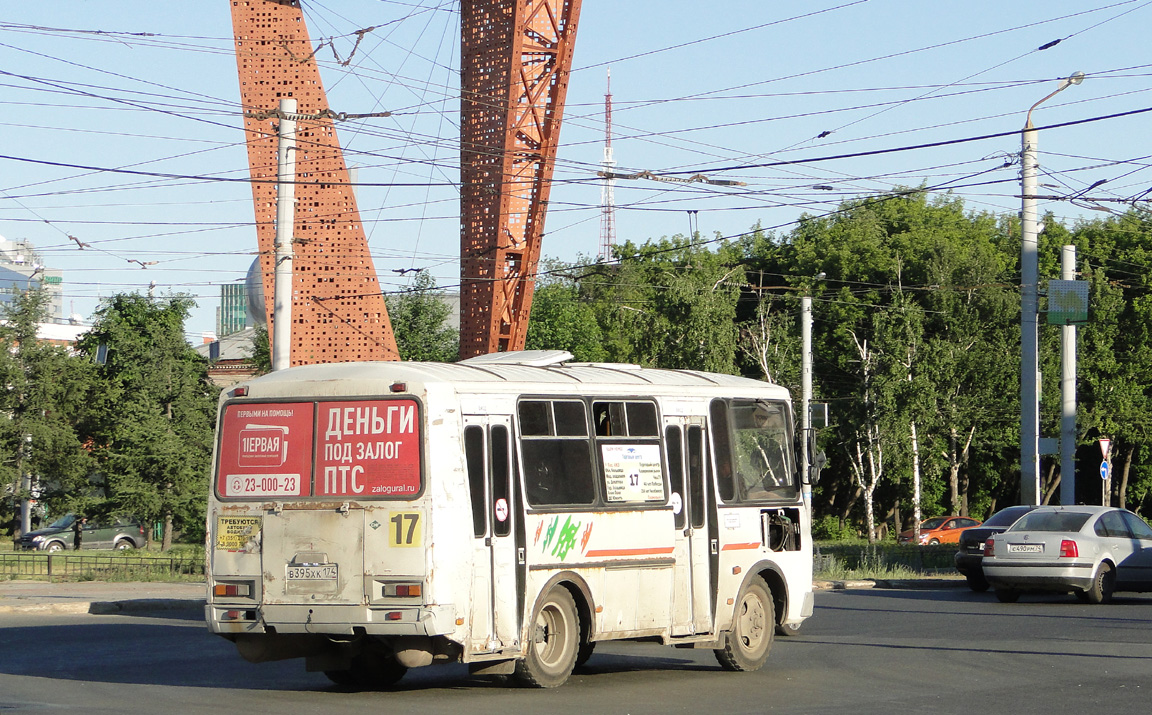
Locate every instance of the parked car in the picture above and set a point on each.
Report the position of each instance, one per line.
(940, 530)
(1090, 551)
(971, 542)
(99, 533)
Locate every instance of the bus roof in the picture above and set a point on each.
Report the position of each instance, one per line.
(367, 378)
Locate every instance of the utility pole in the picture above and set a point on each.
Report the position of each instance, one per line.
(1029, 306)
(25, 485)
(806, 393)
(285, 225)
(1068, 391)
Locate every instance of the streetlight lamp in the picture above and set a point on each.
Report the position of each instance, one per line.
(1029, 308)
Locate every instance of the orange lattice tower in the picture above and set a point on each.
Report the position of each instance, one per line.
(515, 59)
(338, 311)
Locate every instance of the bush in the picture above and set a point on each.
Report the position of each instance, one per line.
(827, 528)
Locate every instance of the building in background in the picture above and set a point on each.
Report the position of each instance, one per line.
(233, 314)
(21, 268)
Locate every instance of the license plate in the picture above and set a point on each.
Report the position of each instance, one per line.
(1025, 548)
(324, 572)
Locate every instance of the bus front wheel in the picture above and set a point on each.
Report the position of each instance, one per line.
(553, 642)
(746, 646)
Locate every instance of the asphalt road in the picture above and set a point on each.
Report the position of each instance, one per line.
(866, 651)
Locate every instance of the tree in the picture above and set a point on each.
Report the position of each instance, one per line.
(419, 322)
(563, 319)
(261, 350)
(669, 303)
(151, 425)
(46, 396)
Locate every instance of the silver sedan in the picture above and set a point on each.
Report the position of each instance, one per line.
(1088, 550)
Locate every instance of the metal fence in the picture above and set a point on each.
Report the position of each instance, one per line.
(922, 559)
(96, 567)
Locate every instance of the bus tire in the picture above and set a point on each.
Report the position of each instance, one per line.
(747, 645)
(553, 641)
(585, 652)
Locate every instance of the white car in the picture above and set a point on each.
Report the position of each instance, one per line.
(1088, 550)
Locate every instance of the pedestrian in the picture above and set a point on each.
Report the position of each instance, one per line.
(78, 532)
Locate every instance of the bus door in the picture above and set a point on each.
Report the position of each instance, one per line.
(496, 605)
(692, 605)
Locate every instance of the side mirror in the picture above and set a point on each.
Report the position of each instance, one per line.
(818, 463)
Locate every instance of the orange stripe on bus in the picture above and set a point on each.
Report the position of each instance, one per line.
(655, 550)
(734, 547)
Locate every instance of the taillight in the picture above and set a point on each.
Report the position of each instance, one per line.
(989, 549)
(402, 590)
(232, 589)
(1068, 549)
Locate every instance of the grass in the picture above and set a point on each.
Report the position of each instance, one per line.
(183, 563)
(840, 561)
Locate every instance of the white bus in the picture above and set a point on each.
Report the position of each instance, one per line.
(508, 511)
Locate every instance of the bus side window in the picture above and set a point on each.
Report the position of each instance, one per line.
(676, 473)
(474, 458)
(725, 478)
(501, 480)
(558, 464)
(696, 480)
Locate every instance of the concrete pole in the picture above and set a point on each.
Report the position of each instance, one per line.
(285, 224)
(1029, 337)
(1068, 391)
(806, 393)
(25, 485)
(1029, 308)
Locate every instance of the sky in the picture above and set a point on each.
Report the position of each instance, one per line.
(807, 104)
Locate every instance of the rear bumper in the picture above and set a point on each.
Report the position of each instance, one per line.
(1046, 576)
(969, 563)
(335, 620)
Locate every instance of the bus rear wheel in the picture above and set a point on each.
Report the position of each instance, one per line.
(747, 645)
(553, 642)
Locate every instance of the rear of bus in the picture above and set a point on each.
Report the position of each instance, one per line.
(316, 528)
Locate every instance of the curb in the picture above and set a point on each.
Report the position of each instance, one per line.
(913, 584)
(139, 605)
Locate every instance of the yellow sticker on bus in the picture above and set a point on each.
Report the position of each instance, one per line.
(404, 528)
(234, 532)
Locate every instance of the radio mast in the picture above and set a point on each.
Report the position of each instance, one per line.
(607, 195)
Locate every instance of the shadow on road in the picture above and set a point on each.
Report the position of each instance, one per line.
(174, 648)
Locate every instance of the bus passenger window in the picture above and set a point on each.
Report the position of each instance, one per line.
(642, 419)
(534, 418)
(557, 463)
(570, 419)
(501, 480)
(608, 418)
(474, 458)
(676, 473)
(724, 476)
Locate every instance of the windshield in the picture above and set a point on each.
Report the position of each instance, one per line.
(1051, 521)
(1007, 517)
(63, 522)
(933, 523)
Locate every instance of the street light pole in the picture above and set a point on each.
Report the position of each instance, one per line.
(1029, 308)
(285, 225)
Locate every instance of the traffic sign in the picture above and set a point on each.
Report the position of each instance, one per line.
(1104, 469)
(1105, 447)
